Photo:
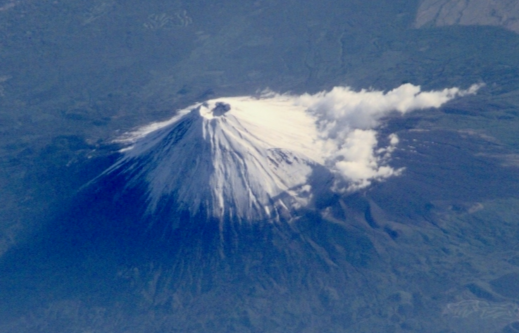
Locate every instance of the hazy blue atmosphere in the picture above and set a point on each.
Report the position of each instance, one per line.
(389, 209)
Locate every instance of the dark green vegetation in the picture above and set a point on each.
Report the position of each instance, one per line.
(434, 250)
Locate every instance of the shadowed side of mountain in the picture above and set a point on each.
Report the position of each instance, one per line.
(106, 231)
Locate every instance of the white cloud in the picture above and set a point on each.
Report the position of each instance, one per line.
(358, 161)
(344, 108)
(347, 121)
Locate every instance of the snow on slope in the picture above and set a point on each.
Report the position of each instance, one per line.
(250, 158)
(241, 163)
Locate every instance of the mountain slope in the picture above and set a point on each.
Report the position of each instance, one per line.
(225, 161)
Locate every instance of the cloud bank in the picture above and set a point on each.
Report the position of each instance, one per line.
(336, 128)
(347, 120)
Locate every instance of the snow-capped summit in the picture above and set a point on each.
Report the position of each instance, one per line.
(227, 158)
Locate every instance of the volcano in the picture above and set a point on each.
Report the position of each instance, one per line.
(249, 159)
(226, 159)
(245, 207)
(255, 159)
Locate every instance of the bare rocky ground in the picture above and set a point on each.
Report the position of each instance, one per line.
(501, 13)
